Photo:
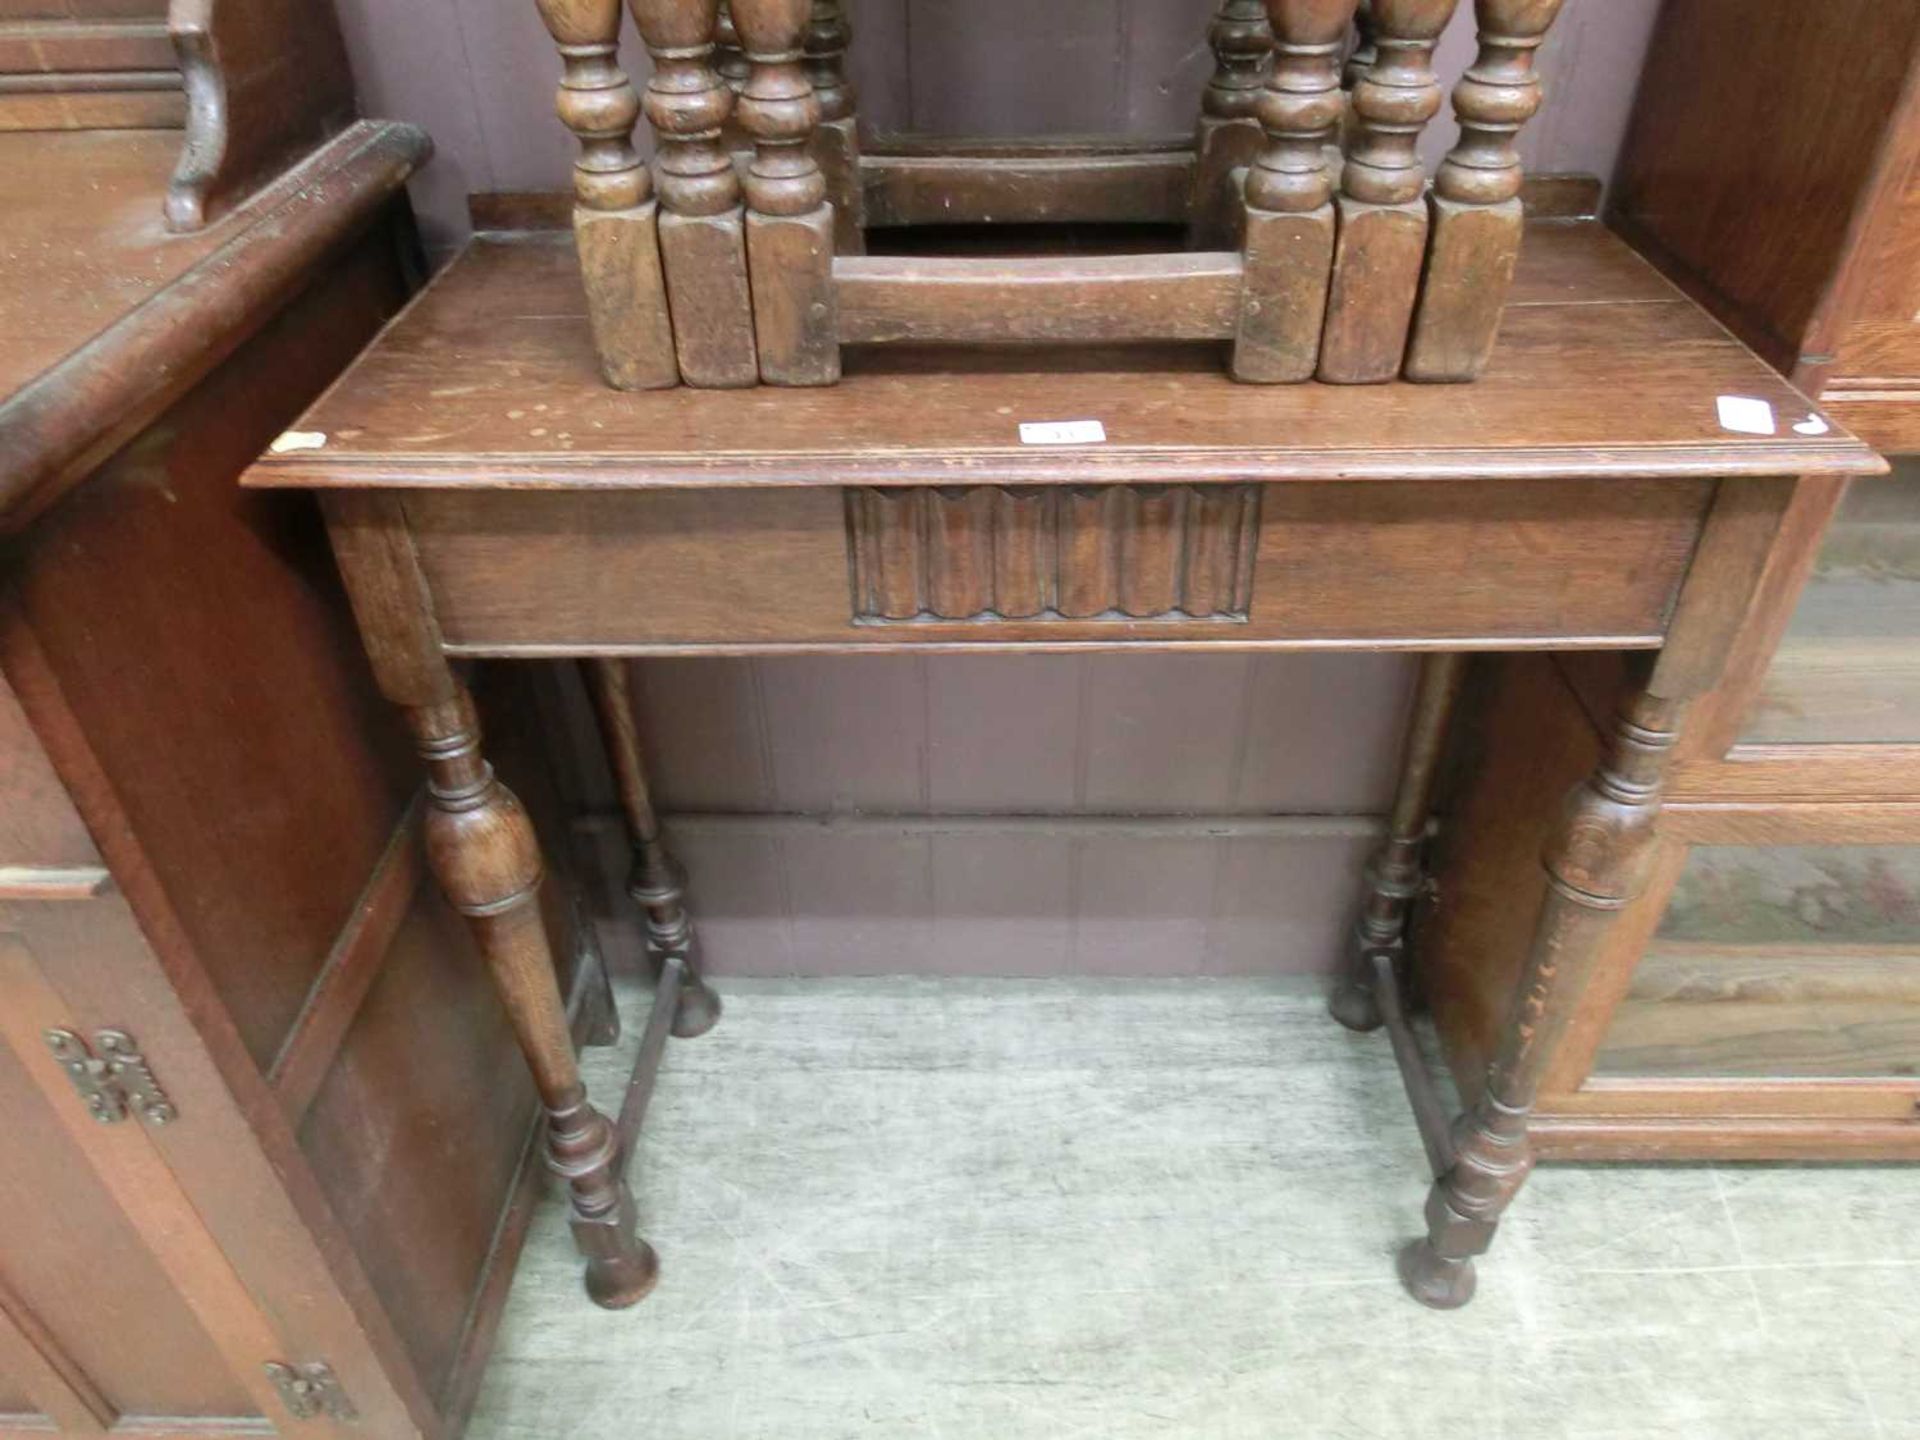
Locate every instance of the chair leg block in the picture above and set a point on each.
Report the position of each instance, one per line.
(1283, 297)
(705, 258)
(796, 323)
(627, 296)
(836, 146)
(1223, 147)
(1470, 263)
(1376, 280)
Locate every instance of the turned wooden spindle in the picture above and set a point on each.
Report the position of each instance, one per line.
(657, 882)
(1396, 875)
(789, 222)
(1290, 223)
(1229, 135)
(1596, 862)
(1360, 59)
(1477, 214)
(729, 59)
(1365, 51)
(482, 850)
(615, 217)
(1382, 202)
(836, 139)
(703, 242)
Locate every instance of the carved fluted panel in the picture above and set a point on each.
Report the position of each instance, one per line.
(1062, 553)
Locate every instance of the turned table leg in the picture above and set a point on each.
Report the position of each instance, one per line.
(658, 883)
(483, 851)
(1596, 862)
(1395, 874)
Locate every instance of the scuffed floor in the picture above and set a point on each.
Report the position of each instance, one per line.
(995, 1210)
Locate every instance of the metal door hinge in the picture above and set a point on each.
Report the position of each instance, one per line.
(311, 1391)
(112, 1077)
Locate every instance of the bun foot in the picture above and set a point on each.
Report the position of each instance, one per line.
(618, 1281)
(1433, 1279)
(698, 1010)
(1353, 1006)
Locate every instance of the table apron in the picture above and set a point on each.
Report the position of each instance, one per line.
(1480, 564)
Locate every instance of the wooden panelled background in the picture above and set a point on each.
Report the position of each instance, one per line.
(1005, 815)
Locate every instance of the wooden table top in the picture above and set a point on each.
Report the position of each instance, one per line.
(106, 318)
(1603, 368)
(84, 240)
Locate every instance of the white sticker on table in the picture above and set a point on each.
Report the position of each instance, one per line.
(1745, 415)
(1063, 432)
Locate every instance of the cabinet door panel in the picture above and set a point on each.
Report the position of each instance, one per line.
(1848, 668)
(1779, 961)
(81, 1287)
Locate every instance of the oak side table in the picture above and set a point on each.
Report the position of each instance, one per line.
(489, 495)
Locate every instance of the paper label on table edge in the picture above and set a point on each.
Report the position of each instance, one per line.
(1062, 432)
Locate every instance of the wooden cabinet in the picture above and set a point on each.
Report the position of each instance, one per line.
(264, 1129)
(1763, 999)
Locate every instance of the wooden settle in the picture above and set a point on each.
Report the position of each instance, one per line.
(750, 99)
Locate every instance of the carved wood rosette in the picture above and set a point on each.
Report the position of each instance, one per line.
(1060, 553)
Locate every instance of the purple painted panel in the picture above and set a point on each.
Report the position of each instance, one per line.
(848, 734)
(1143, 903)
(1323, 734)
(1001, 901)
(701, 724)
(1011, 67)
(862, 899)
(1004, 733)
(1284, 902)
(737, 887)
(1162, 733)
(409, 64)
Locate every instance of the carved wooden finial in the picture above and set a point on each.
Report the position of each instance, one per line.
(1394, 100)
(1242, 43)
(1477, 216)
(1300, 105)
(1499, 94)
(598, 103)
(687, 104)
(778, 110)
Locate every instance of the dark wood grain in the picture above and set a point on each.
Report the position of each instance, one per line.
(138, 361)
(253, 107)
(1602, 367)
(1477, 219)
